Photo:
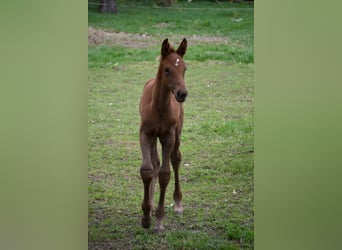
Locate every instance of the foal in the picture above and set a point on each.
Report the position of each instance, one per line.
(162, 114)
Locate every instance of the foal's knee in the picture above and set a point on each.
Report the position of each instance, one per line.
(164, 177)
(146, 172)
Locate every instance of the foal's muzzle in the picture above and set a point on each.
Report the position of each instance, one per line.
(181, 95)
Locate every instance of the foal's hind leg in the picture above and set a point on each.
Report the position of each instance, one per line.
(146, 173)
(167, 142)
(175, 160)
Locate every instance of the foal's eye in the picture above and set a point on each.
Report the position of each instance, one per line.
(167, 71)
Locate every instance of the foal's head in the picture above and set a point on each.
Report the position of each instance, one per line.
(172, 69)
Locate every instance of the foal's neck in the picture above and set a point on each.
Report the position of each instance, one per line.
(161, 92)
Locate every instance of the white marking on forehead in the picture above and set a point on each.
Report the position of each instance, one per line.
(177, 62)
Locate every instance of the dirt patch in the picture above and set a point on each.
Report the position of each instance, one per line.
(98, 37)
(163, 25)
(217, 40)
(101, 37)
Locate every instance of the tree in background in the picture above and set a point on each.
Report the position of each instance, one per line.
(168, 3)
(108, 6)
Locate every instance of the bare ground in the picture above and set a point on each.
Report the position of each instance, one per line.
(98, 37)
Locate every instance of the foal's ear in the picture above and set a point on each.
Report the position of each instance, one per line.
(182, 48)
(165, 48)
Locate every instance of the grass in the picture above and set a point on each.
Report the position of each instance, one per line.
(232, 23)
(217, 140)
(184, 18)
(108, 56)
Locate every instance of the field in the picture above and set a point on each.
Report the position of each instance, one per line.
(217, 137)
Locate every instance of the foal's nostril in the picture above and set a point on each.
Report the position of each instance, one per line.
(182, 94)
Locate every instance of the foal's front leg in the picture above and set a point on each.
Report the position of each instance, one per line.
(146, 173)
(177, 193)
(167, 141)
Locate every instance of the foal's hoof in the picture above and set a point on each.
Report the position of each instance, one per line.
(158, 230)
(146, 222)
(159, 227)
(179, 209)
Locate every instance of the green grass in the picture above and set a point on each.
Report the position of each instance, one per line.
(109, 57)
(217, 145)
(232, 23)
(184, 18)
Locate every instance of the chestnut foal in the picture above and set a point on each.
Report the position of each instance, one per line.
(161, 112)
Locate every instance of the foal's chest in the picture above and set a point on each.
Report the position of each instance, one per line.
(160, 122)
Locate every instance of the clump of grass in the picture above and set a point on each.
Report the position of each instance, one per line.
(222, 53)
(110, 57)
